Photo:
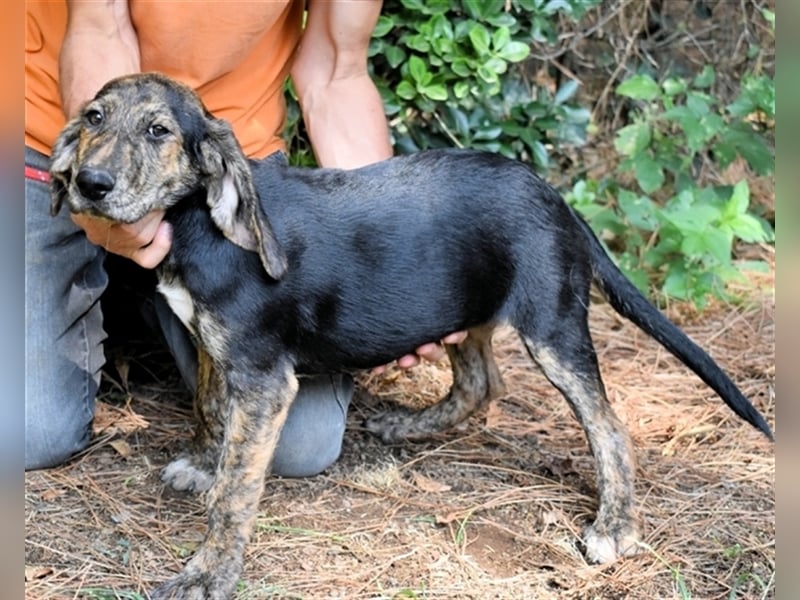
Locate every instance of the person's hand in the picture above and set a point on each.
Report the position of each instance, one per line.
(432, 352)
(146, 242)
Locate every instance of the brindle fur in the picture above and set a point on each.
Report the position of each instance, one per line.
(278, 271)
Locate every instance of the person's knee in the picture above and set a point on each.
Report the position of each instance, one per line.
(311, 440)
(52, 441)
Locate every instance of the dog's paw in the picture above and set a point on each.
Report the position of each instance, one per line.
(182, 475)
(604, 548)
(185, 587)
(203, 579)
(392, 426)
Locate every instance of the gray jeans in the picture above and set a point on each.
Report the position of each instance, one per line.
(64, 280)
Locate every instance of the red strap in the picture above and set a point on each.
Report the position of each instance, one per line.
(37, 174)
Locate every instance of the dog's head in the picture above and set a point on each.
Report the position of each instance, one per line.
(144, 143)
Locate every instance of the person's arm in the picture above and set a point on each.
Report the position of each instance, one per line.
(342, 108)
(100, 44)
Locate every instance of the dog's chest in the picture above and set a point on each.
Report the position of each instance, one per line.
(179, 300)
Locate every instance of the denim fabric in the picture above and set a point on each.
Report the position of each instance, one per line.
(65, 278)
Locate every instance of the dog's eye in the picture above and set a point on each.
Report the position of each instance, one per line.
(156, 131)
(94, 117)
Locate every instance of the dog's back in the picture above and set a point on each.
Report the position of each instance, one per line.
(385, 258)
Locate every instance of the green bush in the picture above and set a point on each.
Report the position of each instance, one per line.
(674, 235)
(453, 74)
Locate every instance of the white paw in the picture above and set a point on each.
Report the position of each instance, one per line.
(182, 475)
(603, 548)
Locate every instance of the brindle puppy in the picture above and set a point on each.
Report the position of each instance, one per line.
(279, 270)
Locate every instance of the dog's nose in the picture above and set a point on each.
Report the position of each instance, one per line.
(93, 183)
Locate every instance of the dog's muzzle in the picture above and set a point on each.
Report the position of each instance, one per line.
(94, 184)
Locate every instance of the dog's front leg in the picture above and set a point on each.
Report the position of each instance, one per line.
(194, 471)
(257, 411)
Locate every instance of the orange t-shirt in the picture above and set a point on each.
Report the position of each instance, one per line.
(236, 55)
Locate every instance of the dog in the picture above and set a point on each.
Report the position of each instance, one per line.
(279, 271)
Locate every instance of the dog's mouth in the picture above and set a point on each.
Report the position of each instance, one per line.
(112, 205)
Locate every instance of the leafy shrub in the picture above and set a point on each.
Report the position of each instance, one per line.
(452, 73)
(674, 233)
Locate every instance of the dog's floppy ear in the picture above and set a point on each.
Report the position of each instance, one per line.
(62, 157)
(233, 199)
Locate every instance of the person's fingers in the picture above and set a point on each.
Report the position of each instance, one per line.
(431, 352)
(146, 241)
(151, 255)
(379, 370)
(408, 361)
(455, 338)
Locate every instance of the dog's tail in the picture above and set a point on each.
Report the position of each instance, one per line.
(631, 304)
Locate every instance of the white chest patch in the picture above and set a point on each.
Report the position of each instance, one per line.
(179, 301)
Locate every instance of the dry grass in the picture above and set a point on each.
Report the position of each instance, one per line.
(493, 510)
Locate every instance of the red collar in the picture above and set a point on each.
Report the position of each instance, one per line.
(37, 174)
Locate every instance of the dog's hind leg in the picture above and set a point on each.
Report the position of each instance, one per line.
(567, 358)
(476, 380)
(194, 471)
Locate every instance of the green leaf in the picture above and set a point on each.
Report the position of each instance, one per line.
(405, 90)
(514, 52)
(692, 219)
(749, 145)
(698, 103)
(384, 25)
(565, 92)
(633, 138)
(394, 56)
(738, 202)
(540, 156)
(480, 38)
(500, 38)
(488, 133)
(639, 211)
(419, 43)
(674, 86)
(461, 67)
(649, 174)
(488, 75)
(504, 19)
(639, 87)
(749, 229)
(442, 28)
(710, 241)
(498, 65)
(554, 6)
(705, 78)
(435, 92)
(676, 282)
(461, 89)
(417, 68)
